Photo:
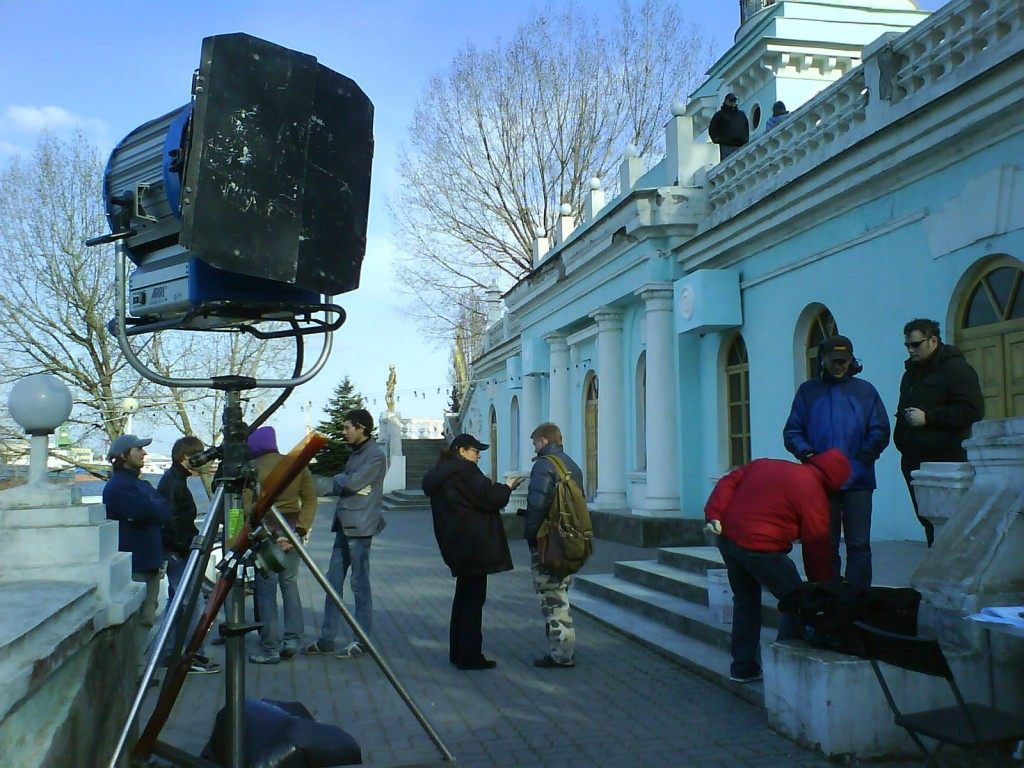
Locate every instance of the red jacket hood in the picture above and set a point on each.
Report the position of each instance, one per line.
(834, 466)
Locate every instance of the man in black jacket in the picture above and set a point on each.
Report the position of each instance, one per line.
(178, 534)
(553, 590)
(940, 398)
(729, 128)
(466, 508)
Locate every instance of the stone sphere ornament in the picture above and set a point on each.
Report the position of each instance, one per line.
(40, 403)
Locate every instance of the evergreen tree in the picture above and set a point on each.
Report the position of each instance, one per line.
(332, 457)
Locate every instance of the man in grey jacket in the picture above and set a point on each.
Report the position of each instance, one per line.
(357, 519)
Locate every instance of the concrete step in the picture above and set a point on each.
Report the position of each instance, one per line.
(675, 613)
(709, 661)
(692, 559)
(664, 578)
(664, 604)
(407, 499)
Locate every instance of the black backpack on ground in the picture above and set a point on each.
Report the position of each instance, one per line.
(828, 610)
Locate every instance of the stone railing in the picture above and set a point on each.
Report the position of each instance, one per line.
(798, 144)
(422, 429)
(923, 58)
(950, 39)
(506, 328)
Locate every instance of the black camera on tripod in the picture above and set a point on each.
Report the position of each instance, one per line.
(205, 456)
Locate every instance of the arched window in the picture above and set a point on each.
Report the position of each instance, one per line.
(737, 378)
(823, 326)
(494, 444)
(641, 412)
(514, 434)
(590, 413)
(990, 333)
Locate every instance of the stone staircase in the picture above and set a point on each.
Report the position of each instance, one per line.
(420, 455)
(404, 501)
(664, 604)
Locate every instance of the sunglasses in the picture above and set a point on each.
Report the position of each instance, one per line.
(912, 345)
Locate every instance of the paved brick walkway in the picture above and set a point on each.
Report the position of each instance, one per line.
(622, 705)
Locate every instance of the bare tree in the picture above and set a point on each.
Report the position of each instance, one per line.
(58, 297)
(510, 133)
(469, 327)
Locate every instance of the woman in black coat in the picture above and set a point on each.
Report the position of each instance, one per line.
(466, 507)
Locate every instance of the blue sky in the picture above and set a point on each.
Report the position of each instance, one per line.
(108, 66)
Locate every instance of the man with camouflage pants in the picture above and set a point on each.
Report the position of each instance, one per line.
(553, 591)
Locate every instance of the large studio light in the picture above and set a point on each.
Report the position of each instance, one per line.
(250, 202)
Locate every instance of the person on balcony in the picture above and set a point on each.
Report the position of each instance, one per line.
(729, 128)
(779, 113)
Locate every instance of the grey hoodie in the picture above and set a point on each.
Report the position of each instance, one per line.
(360, 490)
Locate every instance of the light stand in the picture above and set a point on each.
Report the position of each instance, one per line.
(247, 545)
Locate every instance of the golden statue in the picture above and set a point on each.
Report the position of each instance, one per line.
(389, 398)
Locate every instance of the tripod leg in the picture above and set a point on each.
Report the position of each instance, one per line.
(363, 637)
(191, 570)
(193, 574)
(177, 673)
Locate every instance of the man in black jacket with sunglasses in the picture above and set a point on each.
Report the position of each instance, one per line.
(940, 398)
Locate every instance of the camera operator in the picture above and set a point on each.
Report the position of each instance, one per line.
(178, 534)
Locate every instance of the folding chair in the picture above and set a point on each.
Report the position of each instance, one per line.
(966, 725)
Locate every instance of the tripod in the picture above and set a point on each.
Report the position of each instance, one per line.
(253, 545)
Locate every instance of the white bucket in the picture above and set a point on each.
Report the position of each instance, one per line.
(719, 595)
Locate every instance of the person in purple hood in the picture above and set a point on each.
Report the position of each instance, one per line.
(297, 504)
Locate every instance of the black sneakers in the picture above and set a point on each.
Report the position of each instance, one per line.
(481, 663)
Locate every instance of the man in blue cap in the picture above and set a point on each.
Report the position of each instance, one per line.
(140, 512)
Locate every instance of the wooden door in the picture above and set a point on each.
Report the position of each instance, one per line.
(1013, 357)
(985, 354)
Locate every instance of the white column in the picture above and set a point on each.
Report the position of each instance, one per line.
(611, 454)
(558, 380)
(529, 418)
(661, 439)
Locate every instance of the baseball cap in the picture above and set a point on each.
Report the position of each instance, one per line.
(467, 441)
(125, 443)
(837, 348)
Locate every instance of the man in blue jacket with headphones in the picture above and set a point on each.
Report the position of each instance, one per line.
(837, 410)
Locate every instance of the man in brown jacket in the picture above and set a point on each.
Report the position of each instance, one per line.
(297, 504)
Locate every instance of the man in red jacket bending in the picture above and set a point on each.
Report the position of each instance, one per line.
(758, 511)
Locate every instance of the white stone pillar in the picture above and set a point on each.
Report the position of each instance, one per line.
(529, 418)
(559, 382)
(662, 472)
(611, 453)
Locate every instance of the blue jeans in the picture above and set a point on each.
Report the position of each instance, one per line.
(266, 600)
(748, 572)
(851, 516)
(175, 570)
(349, 552)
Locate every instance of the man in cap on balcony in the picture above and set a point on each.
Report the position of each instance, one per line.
(729, 128)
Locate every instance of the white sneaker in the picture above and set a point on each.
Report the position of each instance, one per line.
(351, 650)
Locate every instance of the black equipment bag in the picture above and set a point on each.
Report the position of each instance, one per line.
(827, 611)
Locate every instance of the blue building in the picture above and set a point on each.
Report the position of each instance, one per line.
(666, 330)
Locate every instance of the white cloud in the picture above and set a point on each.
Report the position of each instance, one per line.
(20, 127)
(35, 119)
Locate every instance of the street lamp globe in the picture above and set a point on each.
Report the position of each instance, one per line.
(130, 405)
(40, 403)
